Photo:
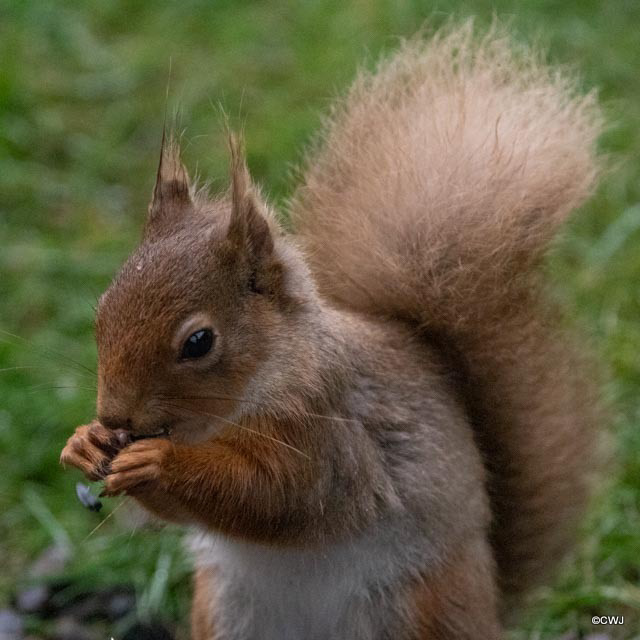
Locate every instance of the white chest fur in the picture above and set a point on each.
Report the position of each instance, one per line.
(268, 593)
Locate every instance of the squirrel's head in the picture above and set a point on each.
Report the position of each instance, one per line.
(213, 292)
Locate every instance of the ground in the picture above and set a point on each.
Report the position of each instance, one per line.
(82, 98)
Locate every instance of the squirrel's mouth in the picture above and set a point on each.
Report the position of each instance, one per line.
(163, 432)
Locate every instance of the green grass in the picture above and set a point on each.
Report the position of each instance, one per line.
(82, 93)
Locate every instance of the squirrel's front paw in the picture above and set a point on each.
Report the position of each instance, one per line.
(91, 448)
(138, 466)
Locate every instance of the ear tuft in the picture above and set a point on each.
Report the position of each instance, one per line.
(172, 192)
(248, 226)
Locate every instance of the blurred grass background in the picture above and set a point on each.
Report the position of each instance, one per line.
(82, 93)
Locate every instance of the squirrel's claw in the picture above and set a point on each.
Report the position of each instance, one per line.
(138, 464)
(91, 449)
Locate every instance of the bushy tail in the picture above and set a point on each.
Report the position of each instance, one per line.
(432, 196)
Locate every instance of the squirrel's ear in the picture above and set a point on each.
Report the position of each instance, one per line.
(171, 198)
(248, 226)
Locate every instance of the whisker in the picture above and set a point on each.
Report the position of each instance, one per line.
(217, 397)
(104, 520)
(50, 352)
(47, 387)
(21, 367)
(240, 426)
(134, 529)
(325, 417)
(256, 404)
(265, 435)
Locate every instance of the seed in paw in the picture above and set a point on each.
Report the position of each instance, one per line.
(87, 498)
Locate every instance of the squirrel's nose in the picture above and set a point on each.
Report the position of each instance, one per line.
(116, 422)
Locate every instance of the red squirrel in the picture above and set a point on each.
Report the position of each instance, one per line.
(375, 427)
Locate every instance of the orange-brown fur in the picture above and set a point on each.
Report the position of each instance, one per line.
(202, 616)
(459, 601)
(393, 368)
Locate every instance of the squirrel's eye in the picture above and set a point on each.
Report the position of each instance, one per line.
(198, 344)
